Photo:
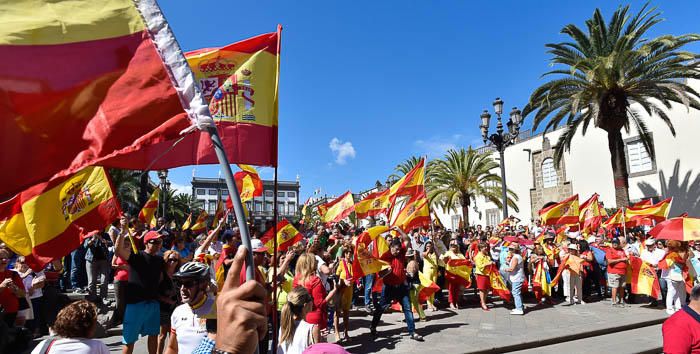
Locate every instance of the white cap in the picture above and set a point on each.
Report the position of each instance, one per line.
(573, 246)
(591, 239)
(650, 242)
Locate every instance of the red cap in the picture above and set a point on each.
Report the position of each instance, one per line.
(151, 235)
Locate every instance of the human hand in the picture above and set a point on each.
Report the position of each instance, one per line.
(240, 311)
(6, 283)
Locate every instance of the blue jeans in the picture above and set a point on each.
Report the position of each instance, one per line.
(78, 274)
(369, 282)
(399, 293)
(517, 297)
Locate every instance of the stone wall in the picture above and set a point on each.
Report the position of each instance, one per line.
(540, 195)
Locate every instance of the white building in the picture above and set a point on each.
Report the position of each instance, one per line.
(586, 169)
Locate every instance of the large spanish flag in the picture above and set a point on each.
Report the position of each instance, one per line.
(413, 183)
(615, 220)
(287, 236)
(84, 81)
(364, 261)
(459, 271)
(148, 212)
(644, 280)
(414, 214)
(338, 209)
(373, 204)
(498, 286)
(646, 214)
(248, 183)
(564, 212)
(590, 217)
(51, 219)
(239, 81)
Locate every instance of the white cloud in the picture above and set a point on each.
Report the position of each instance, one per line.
(437, 146)
(341, 150)
(181, 188)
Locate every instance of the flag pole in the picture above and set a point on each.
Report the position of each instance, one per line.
(274, 269)
(624, 223)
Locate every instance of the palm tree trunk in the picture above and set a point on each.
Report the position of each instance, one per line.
(465, 212)
(618, 161)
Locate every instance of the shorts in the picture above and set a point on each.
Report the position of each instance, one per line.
(616, 280)
(483, 282)
(141, 318)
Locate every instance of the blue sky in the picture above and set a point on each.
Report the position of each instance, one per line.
(366, 84)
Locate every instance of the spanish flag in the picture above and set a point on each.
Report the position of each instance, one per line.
(564, 212)
(338, 209)
(201, 222)
(219, 214)
(373, 204)
(51, 219)
(614, 221)
(148, 212)
(459, 271)
(644, 280)
(497, 285)
(84, 82)
(364, 262)
(304, 211)
(642, 203)
(591, 216)
(541, 279)
(646, 214)
(426, 288)
(248, 183)
(287, 236)
(187, 223)
(414, 214)
(413, 183)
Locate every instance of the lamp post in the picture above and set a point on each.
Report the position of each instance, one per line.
(501, 140)
(164, 185)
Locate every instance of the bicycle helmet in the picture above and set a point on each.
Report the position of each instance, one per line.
(196, 270)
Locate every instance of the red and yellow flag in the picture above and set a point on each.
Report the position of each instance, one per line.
(248, 183)
(564, 212)
(591, 216)
(338, 209)
(426, 288)
(657, 212)
(459, 271)
(148, 212)
(51, 219)
(219, 214)
(497, 285)
(364, 261)
(201, 222)
(373, 204)
(644, 280)
(414, 214)
(541, 279)
(287, 236)
(614, 221)
(187, 223)
(642, 203)
(413, 183)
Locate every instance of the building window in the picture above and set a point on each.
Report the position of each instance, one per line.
(280, 208)
(292, 208)
(268, 206)
(455, 222)
(212, 207)
(549, 173)
(280, 194)
(638, 158)
(224, 192)
(291, 194)
(269, 194)
(258, 206)
(492, 217)
(201, 191)
(212, 192)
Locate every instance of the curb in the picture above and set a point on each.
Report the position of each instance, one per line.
(569, 337)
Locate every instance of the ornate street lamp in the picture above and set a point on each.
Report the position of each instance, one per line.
(164, 185)
(501, 140)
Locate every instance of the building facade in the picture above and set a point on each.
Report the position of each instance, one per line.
(210, 190)
(532, 174)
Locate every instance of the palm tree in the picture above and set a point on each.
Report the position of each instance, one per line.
(127, 183)
(607, 69)
(180, 205)
(462, 176)
(404, 167)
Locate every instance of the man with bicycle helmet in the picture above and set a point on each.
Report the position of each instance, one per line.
(188, 321)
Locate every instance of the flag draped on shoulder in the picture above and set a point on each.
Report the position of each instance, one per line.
(338, 209)
(564, 212)
(541, 279)
(459, 271)
(426, 288)
(643, 279)
(373, 204)
(287, 236)
(248, 183)
(365, 262)
(88, 82)
(51, 219)
(644, 215)
(148, 212)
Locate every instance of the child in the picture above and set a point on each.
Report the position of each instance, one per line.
(295, 333)
(414, 282)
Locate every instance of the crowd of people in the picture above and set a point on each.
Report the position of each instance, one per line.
(174, 287)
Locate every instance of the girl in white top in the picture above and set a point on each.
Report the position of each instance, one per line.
(295, 333)
(516, 277)
(71, 332)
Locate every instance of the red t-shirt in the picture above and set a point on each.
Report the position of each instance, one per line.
(8, 300)
(619, 267)
(681, 332)
(398, 268)
(121, 274)
(319, 312)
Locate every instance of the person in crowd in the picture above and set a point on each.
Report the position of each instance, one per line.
(97, 267)
(539, 262)
(588, 274)
(78, 275)
(345, 287)
(516, 276)
(483, 283)
(52, 305)
(413, 280)
(142, 313)
(33, 284)
(395, 288)
(185, 254)
(121, 279)
(11, 289)
(188, 320)
(681, 331)
(73, 331)
(454, 287)
(430, 269)
(574, 267)
(307, 277)
(617, 270)
(168, 296)
(653, 255)
(673, 266)
(296, 334)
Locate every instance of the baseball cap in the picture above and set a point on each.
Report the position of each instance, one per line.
(257, 245)
(573, 246)
(151, 235)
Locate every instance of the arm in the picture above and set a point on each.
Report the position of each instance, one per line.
(119, 248)
(512, 265)
(172, 343)
(204, 246)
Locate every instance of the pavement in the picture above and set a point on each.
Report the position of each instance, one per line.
(596, 327)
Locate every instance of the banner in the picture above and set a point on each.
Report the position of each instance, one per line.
(415, 214)
(413, 183)
(591, 216)
(201, 222)
(426, 288)
(646, 214)
(614, 221)
(497, 285)
(248, 183)
(51, 219)
(287, 236)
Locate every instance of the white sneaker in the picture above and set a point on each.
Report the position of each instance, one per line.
(517, 312)
(670, 312)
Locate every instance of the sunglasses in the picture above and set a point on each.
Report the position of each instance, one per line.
(188, 283)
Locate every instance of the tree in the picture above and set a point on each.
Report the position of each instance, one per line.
(461, 176)
(404, 167)
(606, 69)
(126, 184)
(180, 205)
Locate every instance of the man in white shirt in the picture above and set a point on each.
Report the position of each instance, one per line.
(188, 321)
(653, 255)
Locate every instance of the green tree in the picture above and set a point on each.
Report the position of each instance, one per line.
(605, 69)
(180, 205)
(461, 176)
(404, 167)
(126, 184)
